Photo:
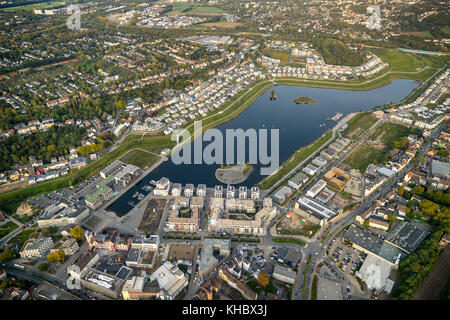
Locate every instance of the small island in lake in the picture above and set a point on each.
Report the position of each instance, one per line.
(233, 174)
(273, 95)
(304, 100)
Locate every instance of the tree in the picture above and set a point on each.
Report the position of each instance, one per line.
(77, 232)
(418, 190)
(58, 256)
(43, 267)
(263, 279)
(401, 190)
(7, 255)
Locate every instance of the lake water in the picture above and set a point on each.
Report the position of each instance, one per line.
(298, 125)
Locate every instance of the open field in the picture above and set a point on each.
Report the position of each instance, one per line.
(152, 215)
(363, 156)
(294, 160)
(358, 124)
(197, 9)
(140, 158)
(221, 25)
(436, 280)
(42, 5)
(389, 132)
(296, 225)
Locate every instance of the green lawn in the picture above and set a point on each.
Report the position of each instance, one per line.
(7, 228)
(288, 240)
(389, 132)
(42, 5)
(21, 237)
(358, 124)
(363, 156)
(294, 160)
(140, 158)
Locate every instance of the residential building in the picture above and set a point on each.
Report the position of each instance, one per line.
(36, 247)
(162, 187)
(68, 245)
(246, 292)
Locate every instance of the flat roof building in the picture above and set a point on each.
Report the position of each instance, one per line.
(189, 190)
(162, 187)
(62, 213)
(171, 281)
(375, 273)
(364, 241)
(176, 189)
(337, 178)
(103, 283)
(407, 236)
(316, 208)
(255, 193)
(102, 194)
(212, 251)
(201, 190)
(315, 189)
(218, 192)
(284, 274)
(298, 180)
(139, 288)
(281, 195)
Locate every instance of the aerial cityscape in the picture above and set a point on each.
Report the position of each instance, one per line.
(225, 150)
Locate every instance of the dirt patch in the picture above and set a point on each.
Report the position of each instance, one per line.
(341, 201)
(354, 133)
(296, 225)
(152, 215)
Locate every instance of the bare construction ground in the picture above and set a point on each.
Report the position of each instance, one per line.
(436, 280)
(296, 225)
(152, 215)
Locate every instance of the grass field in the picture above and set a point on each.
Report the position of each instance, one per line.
(197, 9)
(288, 240)
(140, 158)
(294, 160)
(358, 124)
(42, 5)
(221, 25)
(7, 228)
(389, 132)
(21, 237)
(363, 156)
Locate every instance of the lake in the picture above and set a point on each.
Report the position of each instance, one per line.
(298, 124)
